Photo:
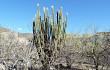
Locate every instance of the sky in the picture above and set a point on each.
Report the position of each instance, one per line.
(83, 15)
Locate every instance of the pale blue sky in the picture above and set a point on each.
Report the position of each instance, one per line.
(82, 14)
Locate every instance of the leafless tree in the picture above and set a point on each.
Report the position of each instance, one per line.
(95, 48)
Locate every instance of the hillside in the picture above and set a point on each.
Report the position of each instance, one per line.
(16, 49)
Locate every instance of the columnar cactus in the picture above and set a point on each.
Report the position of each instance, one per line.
(48, 35)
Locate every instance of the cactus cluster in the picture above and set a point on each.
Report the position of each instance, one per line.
(49, 35)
